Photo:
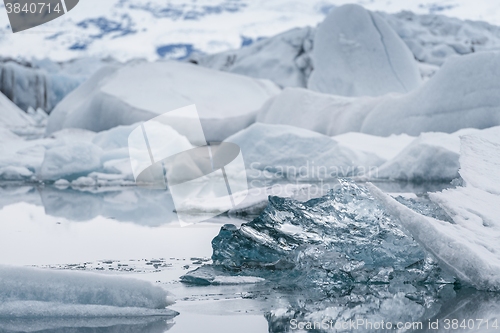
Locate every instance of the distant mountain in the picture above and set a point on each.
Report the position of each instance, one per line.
(126, 29)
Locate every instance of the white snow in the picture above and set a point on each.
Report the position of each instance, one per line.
(356, 53)
(470, 246)
(140, 91)
(296, 153)
(30, 292)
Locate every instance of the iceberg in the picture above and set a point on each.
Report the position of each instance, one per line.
(461, 95)
(34, 293)
(11, 115)
(139, 91)
(283, 59)
(356, 53)
(296, 153)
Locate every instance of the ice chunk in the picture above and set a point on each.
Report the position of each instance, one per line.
(71, 160)
(461, 95)
(329, 244)
(210, 275)
(140, 91)
(431, 157)
(31, 292)
(384, 147)
(356, 53)
(11, 115)
(15, 173)
(433, 38)
(283, 59)
(296, 153)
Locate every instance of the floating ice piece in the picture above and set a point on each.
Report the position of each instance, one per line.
(296, 153)
(210, 275)
(431, 157)
(15, 173)
(31, 292)
(384, 147)
(71, 160)
(140, 91)
(356, 53)
(329, 243)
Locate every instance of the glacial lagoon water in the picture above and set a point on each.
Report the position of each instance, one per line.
(133, 232)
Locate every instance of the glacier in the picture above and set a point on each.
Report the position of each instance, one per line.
(356, 53)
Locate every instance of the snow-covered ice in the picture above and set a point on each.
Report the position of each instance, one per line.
(469, 246)
(356, 53)
(32, 292)
(140, 91)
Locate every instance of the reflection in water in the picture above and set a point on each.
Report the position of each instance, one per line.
(450, 304)
(126, 204)
(87, 325)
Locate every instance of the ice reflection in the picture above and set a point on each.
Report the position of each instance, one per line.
(87, 325)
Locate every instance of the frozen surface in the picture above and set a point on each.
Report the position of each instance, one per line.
(297, 153)
(469, 246)
(140, 91)
(31, 292)
(356, 53)
(462, 94)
